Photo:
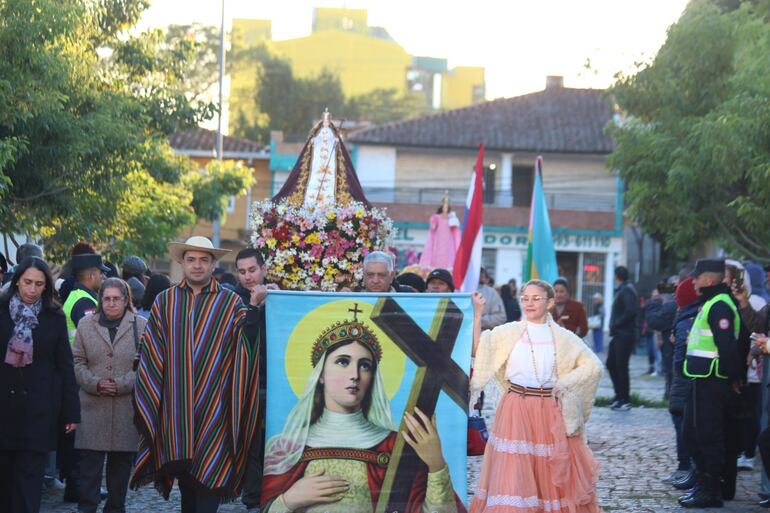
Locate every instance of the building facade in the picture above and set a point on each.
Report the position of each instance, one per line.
(408, 167)
(364, 57)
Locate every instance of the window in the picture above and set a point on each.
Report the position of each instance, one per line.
(489, 183)
(523, 180)
(489, 261)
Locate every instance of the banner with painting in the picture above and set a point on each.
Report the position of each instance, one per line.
(367, 398)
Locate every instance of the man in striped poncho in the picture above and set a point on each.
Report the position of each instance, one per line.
(197, 384)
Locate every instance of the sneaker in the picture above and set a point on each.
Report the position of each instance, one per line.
(675, 476)
(51, 483)
(745, 463)
(622, 406)
(614, 404)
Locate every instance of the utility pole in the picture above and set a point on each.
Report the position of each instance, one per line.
(217, 227)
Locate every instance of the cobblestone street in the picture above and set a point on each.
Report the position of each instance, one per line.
(635, 449)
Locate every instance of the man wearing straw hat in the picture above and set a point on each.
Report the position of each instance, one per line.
(196, 385)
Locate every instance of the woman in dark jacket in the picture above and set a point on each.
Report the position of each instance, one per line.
(38, 394)
(688, 302)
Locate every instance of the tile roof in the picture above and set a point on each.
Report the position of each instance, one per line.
(201, 139)
(557, 119)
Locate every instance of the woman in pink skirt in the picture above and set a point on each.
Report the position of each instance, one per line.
(537, 459)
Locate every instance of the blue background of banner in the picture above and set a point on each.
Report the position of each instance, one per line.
(285, 309)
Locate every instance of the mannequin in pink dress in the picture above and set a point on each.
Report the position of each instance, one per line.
(443, 238)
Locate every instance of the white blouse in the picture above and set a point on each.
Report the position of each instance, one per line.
(520, 370)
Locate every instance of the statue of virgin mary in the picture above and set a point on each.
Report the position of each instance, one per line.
(323, 175)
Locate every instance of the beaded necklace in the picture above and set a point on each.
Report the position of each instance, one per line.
(532, 353)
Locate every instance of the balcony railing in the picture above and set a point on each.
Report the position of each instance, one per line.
(593, 202)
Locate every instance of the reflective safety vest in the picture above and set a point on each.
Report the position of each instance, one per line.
(75, 296)
(702, 359)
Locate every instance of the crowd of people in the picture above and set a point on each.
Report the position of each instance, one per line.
(123, 374)
(706, 331)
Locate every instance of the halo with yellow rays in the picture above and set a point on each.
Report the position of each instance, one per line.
(300, 344)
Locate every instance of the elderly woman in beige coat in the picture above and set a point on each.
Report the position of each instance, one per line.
(104, 350)
(536, 457)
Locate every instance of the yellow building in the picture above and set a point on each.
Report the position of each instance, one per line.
(363, 63)
(364, 58)
(462, 86)
(349, 20)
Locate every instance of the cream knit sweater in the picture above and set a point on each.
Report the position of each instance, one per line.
(578, 369)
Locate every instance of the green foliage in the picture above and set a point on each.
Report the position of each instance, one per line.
(197, 46)
(385, 105)
(288, 103)
(215, 184)
(85, 111)
(293, 105)
(695, 148)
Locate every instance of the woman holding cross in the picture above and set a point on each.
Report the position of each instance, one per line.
(337, 440)
(536, 458)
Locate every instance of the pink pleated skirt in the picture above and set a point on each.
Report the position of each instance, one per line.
(531, 465)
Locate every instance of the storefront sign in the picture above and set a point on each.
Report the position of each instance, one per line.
(561, 241)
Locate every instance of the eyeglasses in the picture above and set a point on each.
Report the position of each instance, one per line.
(531, 299)
(110, 300)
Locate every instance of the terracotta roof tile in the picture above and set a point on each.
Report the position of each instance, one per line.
(201, 139)
(557, 119)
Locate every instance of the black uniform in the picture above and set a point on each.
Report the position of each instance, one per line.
(252, 483)
(712, 422)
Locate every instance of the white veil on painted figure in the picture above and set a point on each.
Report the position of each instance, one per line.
(285, 449)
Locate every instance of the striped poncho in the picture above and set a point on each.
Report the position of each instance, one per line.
(197, 390)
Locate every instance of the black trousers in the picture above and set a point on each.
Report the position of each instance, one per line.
(753, 401)
(67, 459)
(705, 420)
(21, 480)
(618, 354)
(195, 500)
(252, 482)
(118, 474)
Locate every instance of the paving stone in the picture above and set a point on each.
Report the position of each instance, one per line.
(636, 450)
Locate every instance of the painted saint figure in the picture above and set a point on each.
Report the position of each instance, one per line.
(336, 443)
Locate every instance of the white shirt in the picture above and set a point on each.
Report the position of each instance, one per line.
(520, 370)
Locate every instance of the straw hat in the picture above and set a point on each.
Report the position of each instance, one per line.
(197, 243)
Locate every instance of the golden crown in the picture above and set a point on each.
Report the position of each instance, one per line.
(345, 331)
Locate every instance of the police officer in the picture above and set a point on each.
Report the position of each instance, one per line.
(89, 270)
(713, 363)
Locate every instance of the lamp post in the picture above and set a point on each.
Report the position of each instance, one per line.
(216, 227)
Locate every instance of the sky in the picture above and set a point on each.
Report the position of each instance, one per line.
(518, 42)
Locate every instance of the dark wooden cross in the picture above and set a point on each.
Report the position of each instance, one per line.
(436, 371)
(355, 311)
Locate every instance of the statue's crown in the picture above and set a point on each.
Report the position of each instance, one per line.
(346, 331)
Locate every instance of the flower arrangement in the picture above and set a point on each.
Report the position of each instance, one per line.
(317, 248)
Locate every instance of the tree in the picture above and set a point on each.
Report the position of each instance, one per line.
(287, 103)
(694, 148)
(85, 112)
(199, 45)
(293, 105)
(385, 105)
(213, 187)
